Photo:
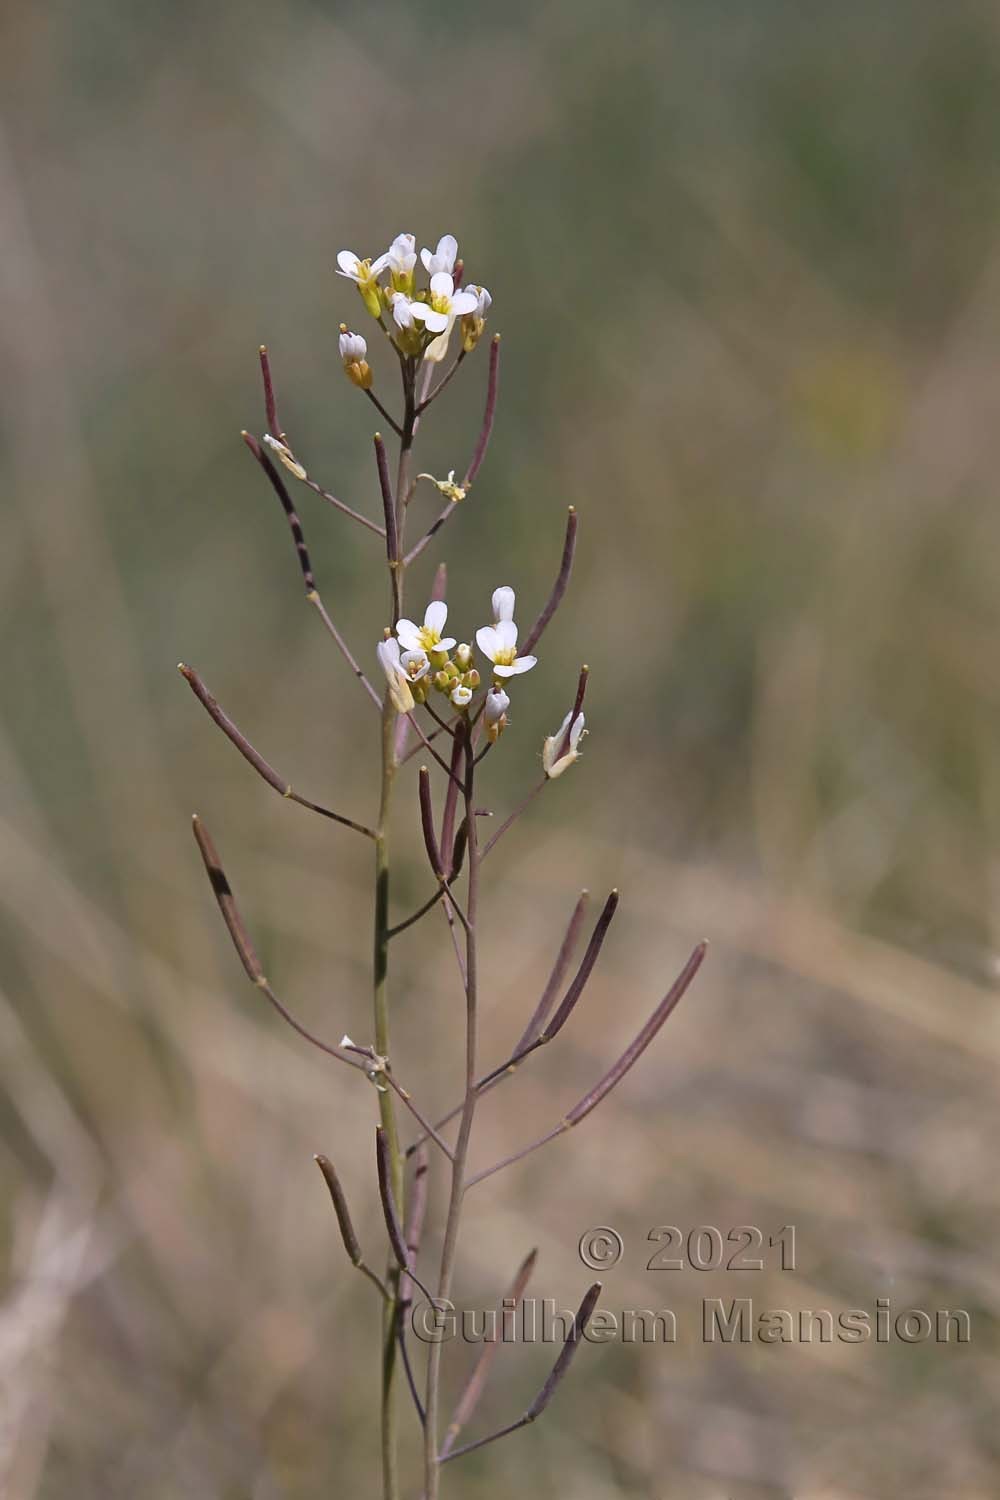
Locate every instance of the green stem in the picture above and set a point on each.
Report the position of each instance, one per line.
(432, 1469)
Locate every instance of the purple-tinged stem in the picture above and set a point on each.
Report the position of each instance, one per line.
(427, 823)
(384, 412)
(451, 794)
(591, 954)
(416, 1212)
(446, 379)
(308, 578)
(476, 1383)
(460, 1160)
(243, 944)
(351, 1243)
(391, 531)
(558, 588)
(558, 974)
(509, 822)
(537, 1034)
(346, 510)
(395, 1229)
(278, 483)
(615, 1073)
(548, 1390)
(270, 407)
(379, 1067)
(483, 441)
(260, 765)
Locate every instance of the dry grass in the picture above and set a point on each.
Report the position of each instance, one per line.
(779, 423)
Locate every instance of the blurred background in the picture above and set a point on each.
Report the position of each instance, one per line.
(746, 264)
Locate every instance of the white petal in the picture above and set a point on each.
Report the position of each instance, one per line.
(503, 602)
(460, 695)
(464, 302)
(488, 641)
(442, 285)
(523, 664)
(436, 322)
(497, 704)
(426, 257)
(505, 671)
(388, 655)
(447, 252)
(506, 633)
(408, 635)
(348, 263)
(435, 615)
(445, 643)
(438, 348)
(576, 731)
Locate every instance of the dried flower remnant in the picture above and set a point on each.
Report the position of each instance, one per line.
(559, 750)
(434, 696)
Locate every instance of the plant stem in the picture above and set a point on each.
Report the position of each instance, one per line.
(387, 1111)
(431, 1465)
(387, 1108)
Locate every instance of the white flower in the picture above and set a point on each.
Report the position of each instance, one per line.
(497, 704)
(445, 304)
(402, 310)
(460, 695)
(415, 664)
(361, 271)
(555, 763)
(426, 637)
(353, 348)
(443, 258)
(395, 673)
(365, 275)
(495, 713)
(401, 256)
(483, 300)
(499, 640)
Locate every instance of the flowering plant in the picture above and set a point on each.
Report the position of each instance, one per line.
(442, 700)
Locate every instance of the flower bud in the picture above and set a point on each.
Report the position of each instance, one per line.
(495, 714)
(353, 349)
(463, 657)
(460, 695)
(471, 679)
(360, 374)
(474, 322)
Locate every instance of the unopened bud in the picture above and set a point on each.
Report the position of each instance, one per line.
(463, 657)
(495, 713)
(359, 372)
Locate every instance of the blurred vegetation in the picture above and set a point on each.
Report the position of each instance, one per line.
(745, 263)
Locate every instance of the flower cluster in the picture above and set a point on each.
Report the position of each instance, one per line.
(419, 320)
(420, 659)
